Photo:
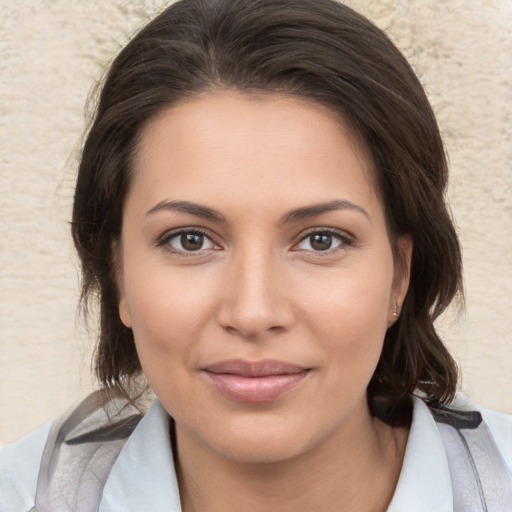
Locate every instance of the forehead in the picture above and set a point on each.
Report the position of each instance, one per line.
(240, 145)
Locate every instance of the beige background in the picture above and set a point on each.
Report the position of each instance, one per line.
(51, 52)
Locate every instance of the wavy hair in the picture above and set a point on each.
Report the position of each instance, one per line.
(316, 49)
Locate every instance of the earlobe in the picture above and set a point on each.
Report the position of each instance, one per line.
(124, 311)
(117, 271)
(401, 277)
(403, 267)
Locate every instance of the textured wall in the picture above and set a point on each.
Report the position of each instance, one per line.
(51, 51)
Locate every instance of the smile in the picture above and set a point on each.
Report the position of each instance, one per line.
(255, 382)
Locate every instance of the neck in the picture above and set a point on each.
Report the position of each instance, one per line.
(356, 469)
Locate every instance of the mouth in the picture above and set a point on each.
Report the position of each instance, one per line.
(255, 382)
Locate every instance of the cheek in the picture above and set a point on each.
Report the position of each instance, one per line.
(168, 311)
(353, 319)
(165, 327)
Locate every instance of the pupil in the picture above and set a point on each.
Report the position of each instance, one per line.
(191, 241)
(321, 242)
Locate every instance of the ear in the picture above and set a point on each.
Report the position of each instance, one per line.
(118, 273)
(401, 275)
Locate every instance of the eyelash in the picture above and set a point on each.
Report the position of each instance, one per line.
(344, 239)
(167, 237)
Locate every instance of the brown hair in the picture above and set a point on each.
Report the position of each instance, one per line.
(317, 49)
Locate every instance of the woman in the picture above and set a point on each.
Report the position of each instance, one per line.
(259, 209)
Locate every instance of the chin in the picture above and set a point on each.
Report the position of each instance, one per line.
(260, 451)
(261, 442)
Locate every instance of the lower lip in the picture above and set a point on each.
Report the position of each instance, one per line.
(255, 389)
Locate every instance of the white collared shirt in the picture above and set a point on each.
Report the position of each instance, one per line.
(143, 476)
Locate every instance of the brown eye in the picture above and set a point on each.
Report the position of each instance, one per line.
(321, 242)
(189, 241)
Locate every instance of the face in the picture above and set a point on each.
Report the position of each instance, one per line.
(256, 272)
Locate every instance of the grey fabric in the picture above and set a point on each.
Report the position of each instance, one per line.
(84, 444)
(480, 478)
(80, 452)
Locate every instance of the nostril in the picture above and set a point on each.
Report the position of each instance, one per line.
(255, 326)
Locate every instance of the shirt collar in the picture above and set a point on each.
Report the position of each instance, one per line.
(143, 477)
(424, 482)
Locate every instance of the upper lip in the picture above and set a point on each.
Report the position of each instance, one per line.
(265, 368)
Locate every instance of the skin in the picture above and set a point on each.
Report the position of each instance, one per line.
(258, 289)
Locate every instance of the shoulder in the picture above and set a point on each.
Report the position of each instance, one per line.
(19, 469)
(65, 464)
(500, 425)
(431, 460)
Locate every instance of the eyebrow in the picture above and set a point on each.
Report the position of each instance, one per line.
(188, 207)
(292, 216)
(318, 209)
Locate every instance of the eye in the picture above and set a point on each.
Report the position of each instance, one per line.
(187, 241)
(322, 241)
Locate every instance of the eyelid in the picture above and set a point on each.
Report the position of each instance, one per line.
(346, 239)
(168, 235)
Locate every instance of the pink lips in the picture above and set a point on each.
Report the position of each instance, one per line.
(254, 382)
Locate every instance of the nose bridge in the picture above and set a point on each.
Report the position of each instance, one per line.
(255, 301)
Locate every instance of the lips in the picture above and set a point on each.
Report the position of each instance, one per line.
(254, 382)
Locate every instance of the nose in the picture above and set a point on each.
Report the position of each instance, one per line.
(255, 300)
